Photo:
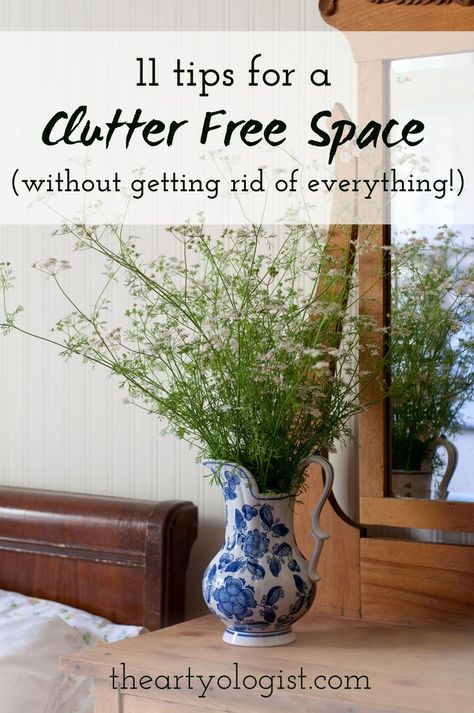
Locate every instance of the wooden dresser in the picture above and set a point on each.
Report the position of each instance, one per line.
(345, 666)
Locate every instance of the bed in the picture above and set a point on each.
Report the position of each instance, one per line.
(81, 570)
(121, 559)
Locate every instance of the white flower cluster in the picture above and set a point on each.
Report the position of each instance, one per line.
(247, 345)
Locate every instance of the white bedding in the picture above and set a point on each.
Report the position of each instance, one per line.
(33, 634)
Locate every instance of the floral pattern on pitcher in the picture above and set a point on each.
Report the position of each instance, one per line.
(259, 580)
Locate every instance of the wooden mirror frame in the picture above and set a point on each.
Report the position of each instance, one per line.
(382, 577)
(376, 506)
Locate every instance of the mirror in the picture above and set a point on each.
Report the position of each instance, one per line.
(432, 298)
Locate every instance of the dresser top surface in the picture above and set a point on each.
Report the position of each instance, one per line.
(411, 669)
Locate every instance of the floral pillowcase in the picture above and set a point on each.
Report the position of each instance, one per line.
(68, 693)
(98, 629)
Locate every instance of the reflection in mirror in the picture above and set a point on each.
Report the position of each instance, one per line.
(432, 364)
(432, 313)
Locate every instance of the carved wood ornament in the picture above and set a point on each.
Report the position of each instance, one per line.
(466, 3)
(329, 7)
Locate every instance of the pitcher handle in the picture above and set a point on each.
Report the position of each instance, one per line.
(319, 535)
(452, 453)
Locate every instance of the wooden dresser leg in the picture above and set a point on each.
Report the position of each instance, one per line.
(106, 699)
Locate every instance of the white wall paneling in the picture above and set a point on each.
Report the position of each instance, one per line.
(62, 424)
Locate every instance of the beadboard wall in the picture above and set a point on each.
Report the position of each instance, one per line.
(160, 15)
(64, 425)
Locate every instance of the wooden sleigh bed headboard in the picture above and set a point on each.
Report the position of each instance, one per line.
(122, 559)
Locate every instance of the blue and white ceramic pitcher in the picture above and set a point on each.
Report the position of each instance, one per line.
(259, 583)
